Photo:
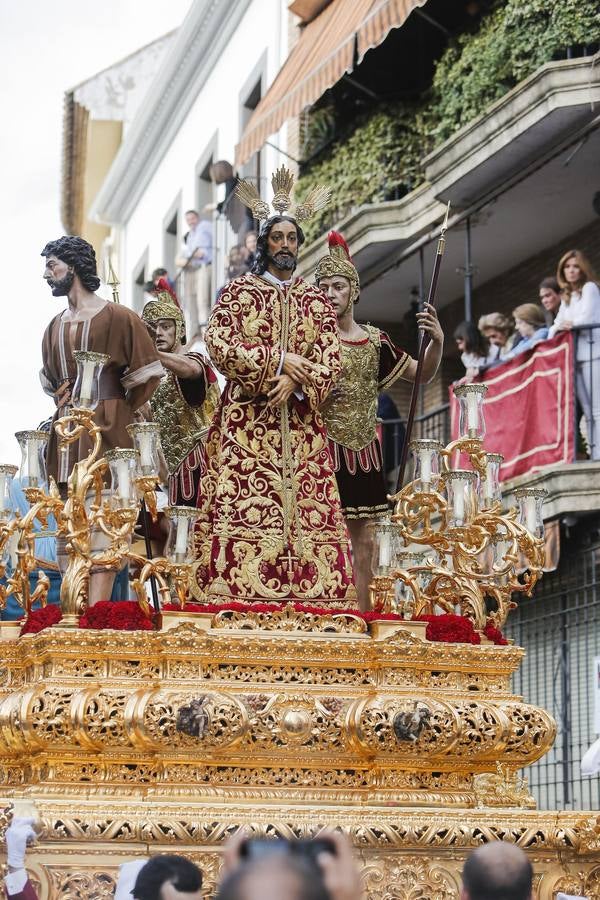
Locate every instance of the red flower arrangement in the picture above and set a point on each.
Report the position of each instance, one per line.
(124, 615)
(493, 633)
(38, 619)
(450, 629)
(128, 616)
(215, 608)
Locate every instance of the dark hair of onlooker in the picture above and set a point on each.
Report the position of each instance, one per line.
(192, 212)
(160, 273)
(261, 259)
(497, 871)
(76, 252)
(474, 340)
(584, 264)
(301, 880)
(183, 874)
(550, 284)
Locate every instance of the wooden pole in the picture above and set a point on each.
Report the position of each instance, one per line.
(423, 343)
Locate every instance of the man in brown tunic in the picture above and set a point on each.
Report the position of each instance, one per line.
(128, 379)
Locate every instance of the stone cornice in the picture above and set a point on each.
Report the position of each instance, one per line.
(202, 37)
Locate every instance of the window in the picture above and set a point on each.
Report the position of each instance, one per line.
(171, 236)
(140, 277)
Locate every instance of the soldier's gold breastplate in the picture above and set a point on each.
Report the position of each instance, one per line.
(181, 425)
(350, 413)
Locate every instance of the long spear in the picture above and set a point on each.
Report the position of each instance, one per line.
(424, 342)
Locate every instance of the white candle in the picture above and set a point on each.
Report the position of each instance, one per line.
(4, 494)
(181, 538)
(530, 514)
(458, 501)
(33, 463)
(144, 442)
(426, 456)
(87, 379)
(489, 483)
(472, 412)
(385, 550)
(123, 479)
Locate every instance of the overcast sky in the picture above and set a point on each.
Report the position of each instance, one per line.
(46, 49)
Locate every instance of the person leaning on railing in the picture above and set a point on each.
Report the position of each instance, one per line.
(499, 331)
(550, 298)
(580, 306)
(530, 323)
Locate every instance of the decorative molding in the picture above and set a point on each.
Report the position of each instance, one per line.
(200, 41)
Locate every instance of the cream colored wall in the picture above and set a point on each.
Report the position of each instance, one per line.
(103, 141)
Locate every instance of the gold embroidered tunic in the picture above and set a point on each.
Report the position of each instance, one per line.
(350, 414)
(184, 408)
(271, 525)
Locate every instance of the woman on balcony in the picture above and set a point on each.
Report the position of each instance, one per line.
(580, 307)
(550, 298)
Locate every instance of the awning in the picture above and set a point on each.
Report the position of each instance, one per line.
(324, 52)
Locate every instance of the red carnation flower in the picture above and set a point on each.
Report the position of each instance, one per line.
(493, 633)
(38, 619)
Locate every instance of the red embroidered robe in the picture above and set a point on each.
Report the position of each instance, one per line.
(271, 526)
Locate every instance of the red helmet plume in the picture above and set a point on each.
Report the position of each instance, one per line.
(335, 239)
(163, 285)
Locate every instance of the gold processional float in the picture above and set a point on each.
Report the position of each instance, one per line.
(125, 743)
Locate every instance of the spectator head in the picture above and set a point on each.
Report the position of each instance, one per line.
(550, 295)
(469, 339)
(496, 327)
(497, 871)
(529, 317)
(235, 255)
(574, 270)
(168, 877)
(221, 171)
(159, 273)
(267, 248)
(192, 217)
(272, 877)
(250, 242)
(68, 258)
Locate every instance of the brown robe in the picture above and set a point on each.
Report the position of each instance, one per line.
(128, 379)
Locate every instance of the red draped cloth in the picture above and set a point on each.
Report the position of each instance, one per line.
(529, 408)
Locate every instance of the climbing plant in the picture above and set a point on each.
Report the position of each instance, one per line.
(382, 157)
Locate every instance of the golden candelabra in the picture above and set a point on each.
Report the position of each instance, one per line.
(448, 544)
(95, 523)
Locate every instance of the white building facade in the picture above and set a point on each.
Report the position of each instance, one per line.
(219, 65)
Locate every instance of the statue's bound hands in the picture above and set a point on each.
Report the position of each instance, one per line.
(283, 388)
(297, 367)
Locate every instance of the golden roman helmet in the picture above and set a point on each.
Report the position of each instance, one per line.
(282, 182)
(339, 262)
(165, 306)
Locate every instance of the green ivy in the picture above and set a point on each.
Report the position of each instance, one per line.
(382, 157)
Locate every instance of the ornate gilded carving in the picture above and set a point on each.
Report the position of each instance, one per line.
(297, 732)
(410, 878)
(502, 788)
(92, 885)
